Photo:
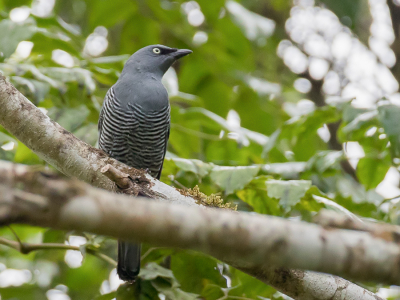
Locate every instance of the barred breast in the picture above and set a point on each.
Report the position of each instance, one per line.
(134, 136)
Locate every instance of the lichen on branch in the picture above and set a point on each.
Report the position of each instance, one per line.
(202, 199)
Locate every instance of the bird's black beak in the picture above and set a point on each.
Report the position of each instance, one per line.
(181, 53)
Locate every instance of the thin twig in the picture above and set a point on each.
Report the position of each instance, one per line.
(226, 296)
(331, 219)
(102, 257)
(9, 243)
(15, 235)
(149, 251)
(390, 199)
(199, 134)
(172, 178)
(27, 248)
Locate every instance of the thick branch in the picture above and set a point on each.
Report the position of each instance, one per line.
(77, 159)
(247, 240)
(310, 285)
(64, 151)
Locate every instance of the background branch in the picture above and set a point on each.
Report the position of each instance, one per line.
(395, 16)
(318, 98)
(331, 219)
(26, 248)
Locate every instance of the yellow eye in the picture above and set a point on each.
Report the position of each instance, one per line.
(156, 50)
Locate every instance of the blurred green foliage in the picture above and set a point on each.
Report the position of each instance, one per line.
(228, 135)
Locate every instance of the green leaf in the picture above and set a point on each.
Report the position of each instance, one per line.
(12, 33)
(255, 194)
(289, 192)
(298, 138)
(173, 293)
(24, 155)
(389, 115)
(243, 133)
(233, 178)
(194, 270)
(112, 10)
(288, 169)
(136, 291)
(347, 11)
(110, 59)
(152, 271)
(31, 87)
(212, 292)
(329, 204)
(359, 121)
(82, 76)
(88, 133)
(54, 236)
(271, 142)
(192, 165)
(69, 118)
(356, 193)
(157, 255)
(371, 171)
(8, 142)
(310, 123)
(46, 40)
(325, 160)
(24, 292)
(244, 285)
(84, 282)
(277, 197)
(163, 280)
(109, 296)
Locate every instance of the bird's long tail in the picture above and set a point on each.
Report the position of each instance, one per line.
(129, 254)
(128, 260)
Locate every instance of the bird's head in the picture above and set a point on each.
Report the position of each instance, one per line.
(155, 59)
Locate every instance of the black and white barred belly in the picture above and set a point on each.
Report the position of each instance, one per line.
(133, 136)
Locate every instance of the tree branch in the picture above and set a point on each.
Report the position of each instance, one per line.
(65, 152)
(318, 98)
(310, 285)
(77, 159)
(331, 219)
(26, 248)
(246, 240)
(395, 17)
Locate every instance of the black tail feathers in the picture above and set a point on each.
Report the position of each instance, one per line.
(128, 260)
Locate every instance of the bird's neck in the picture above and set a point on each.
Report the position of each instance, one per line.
(137, 69)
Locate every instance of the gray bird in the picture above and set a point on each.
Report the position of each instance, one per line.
(134, 125)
